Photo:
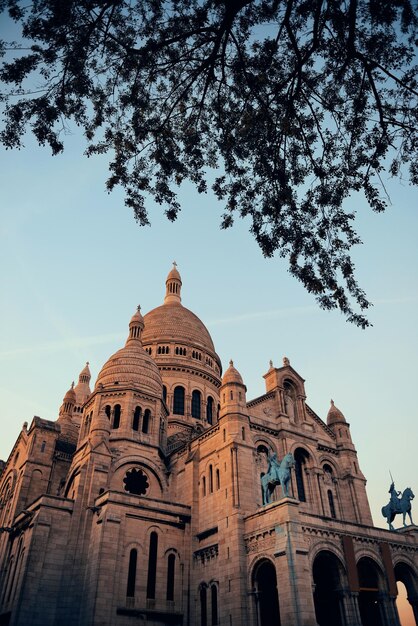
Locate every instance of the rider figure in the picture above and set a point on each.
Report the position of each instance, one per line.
(394, 497)
(273, 466)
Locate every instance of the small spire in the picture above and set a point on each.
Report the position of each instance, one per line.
(136, 325)
(271, 364)
(173, 286)
(231, 363)
(286, 361)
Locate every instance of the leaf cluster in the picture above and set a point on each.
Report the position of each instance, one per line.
(296, 103)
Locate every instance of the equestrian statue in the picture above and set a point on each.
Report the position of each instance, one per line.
(277, 473)
(397, 505)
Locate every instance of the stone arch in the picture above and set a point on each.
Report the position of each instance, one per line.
(136, 478)
(372, 588)
(135, 460)
(329, 576)
(406, 574)
(304, 459)
(70, 482)
(266, 594)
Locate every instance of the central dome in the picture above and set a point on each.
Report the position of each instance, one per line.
(173, 323)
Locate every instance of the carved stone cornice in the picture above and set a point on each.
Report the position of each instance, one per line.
(204, 555)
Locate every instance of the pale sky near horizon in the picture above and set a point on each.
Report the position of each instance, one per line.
(74, 265)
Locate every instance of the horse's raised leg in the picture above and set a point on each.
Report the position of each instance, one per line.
(404, 515)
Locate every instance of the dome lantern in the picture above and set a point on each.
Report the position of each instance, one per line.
(173, 286)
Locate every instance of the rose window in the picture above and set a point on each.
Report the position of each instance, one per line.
(136, 482)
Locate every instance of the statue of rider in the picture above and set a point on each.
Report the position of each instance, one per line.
(394, 498)
(273, 467)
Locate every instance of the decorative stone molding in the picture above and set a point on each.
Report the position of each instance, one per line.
(204, 555)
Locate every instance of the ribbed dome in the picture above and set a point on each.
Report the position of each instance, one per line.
(131, 365)
(232, 375)
(334, 416)
(174, 321)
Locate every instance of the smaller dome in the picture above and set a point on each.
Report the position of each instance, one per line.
(232, 375)
(132, 365)
(70, 395)
(335, 416)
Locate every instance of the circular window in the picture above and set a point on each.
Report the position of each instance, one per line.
(136, 482)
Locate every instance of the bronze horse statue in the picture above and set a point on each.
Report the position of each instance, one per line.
(279, 473)
(398, 505)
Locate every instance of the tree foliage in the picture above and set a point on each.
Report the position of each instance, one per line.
(295, 104)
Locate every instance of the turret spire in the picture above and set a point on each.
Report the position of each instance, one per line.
(173, 286)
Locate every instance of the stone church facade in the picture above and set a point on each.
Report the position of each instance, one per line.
(142, 503)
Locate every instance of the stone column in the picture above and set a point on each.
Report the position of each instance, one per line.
(413, 601)
(349, 608)
(387, 609)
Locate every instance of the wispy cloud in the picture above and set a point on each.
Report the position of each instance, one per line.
(63, 344)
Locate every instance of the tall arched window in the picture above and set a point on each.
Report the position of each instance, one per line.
(152, 565)
(171, 564)
(164, 393)
(210, 479)
(301, 457)
(107, 410)
(214, 604)
(116, 416)
(137, 417)
(203, 486)
(331, 504)
(218, 480)
(203, 607)
(178, 401)
(130, 587)
(209, 410)
(145, 421)
(196, 400)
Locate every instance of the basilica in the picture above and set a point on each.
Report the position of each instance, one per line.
(164, 495)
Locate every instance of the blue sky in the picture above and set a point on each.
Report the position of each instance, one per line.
(74, 265)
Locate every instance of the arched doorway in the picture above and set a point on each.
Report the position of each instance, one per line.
(327, 573)
(266, 594)
(368, 600)
(407, 601)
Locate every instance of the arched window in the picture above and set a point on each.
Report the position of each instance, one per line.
(218, 479)
(209, 410)
(164, 393)
(203, 607)
(214, 604)
(107, 410)
(178, 401)
(301, 457)
(145, 421)
(203, 486)
(196, 400)
(171, 564)
(137, 417)
(331, 504)
(130, 587)
(43, 446)
(116, 416)
(210, 479)
(152, 565)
